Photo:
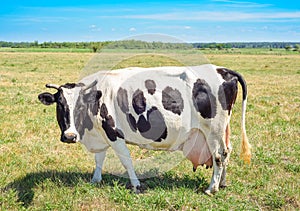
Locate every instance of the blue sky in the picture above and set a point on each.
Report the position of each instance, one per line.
(189, 21)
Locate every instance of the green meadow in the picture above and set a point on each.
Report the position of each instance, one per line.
(38, 172)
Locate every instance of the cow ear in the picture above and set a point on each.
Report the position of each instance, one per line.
(46, 98)
(92, 96)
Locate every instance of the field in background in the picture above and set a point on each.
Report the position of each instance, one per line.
(253, 51)
(38, 172)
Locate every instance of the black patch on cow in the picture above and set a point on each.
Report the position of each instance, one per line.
(150, 125)
(151, 86)
(92, 99)
(108, 124)
(122, 99)
(227, 94)
(82, 122)
(203, 99)
(172, 100)
(86, 101)
(163, 135)
(139, 102)
(69, 85)
(110, 121)
(225, 73)
(110, 131)
(143, 125)
(132, 122)
(62, 112)
(230, 74)
(103, 111)
(120, 133)
(154, 127)
(183, 76)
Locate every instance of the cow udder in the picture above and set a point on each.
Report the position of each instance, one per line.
(196, 149)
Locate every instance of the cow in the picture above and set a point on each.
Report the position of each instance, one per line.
(160, 108)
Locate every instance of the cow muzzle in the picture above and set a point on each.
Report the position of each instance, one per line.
(69, 138)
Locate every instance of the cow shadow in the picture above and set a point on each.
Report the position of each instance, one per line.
(25, 186)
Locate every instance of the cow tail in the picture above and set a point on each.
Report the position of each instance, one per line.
(245, 146)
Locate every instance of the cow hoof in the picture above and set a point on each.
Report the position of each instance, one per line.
(138, 189)
(223, 186)
(209, 193)
(212, 191)
(95, 181)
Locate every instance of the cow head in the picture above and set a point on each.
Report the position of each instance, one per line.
(74, 103)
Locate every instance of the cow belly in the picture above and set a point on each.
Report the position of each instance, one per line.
(196, 149)
(93, 141)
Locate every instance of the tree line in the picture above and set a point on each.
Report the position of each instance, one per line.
(247, 45)
(136, 44)
(95, 46)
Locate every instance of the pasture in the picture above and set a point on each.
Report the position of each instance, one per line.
(38, 172)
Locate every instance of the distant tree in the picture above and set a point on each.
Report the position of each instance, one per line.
(94, 47)
(212, 45)
(288, 47)
(36, 43)
(227, 45)
(297, 47)
(220, 46)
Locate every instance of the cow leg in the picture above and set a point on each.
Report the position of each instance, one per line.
(217, 145)
(216, 177)
(123, 153)
(229, 148)
(223, 179)
(99, 158)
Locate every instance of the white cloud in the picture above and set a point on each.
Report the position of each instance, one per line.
(94, 28)
(132, 29)
(187, 27)
(219, 16)
(37, 19)
(241, 4)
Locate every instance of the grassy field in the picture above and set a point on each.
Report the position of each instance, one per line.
(38, 172)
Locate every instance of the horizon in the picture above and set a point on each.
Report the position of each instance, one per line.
(294, 42)
(209, 21)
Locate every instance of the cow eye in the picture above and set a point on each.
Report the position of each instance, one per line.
(59, 99)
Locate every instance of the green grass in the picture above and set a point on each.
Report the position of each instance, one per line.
(51, 50)
(38, 172)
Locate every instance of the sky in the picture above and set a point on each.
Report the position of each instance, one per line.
(188, 21)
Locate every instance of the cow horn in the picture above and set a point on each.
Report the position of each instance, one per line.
(90, 86)
(52, 86)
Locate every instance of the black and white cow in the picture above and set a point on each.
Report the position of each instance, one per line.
(162, 108)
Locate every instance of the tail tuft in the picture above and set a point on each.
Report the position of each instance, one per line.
(245, 149)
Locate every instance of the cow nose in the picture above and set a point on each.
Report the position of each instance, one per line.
(70, 137)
